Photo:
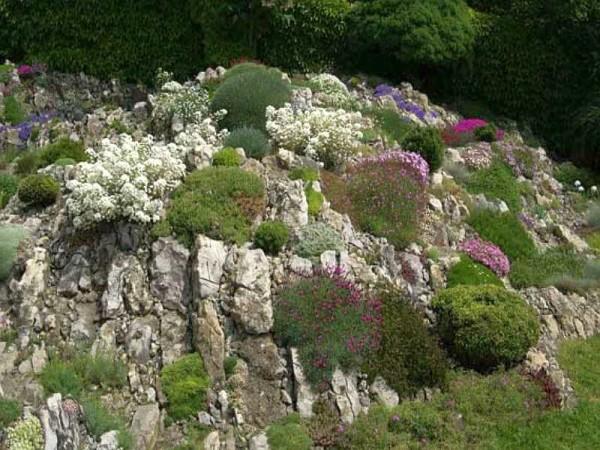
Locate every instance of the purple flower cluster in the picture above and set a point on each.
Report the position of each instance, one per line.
(521, 159)
(409, 159)
(383, 90)
(527, 220)
(487, 254)
(25, 70)
(25, 128)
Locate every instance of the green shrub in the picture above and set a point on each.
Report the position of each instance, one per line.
(99, 421)
(26, 434)
(157, 36)
(8, 187)
(593, 240)
(246, 67)
(390, 125)
(485, 326)
(314, 199)
(317, 238)
(101, 370)
(227, 157)
(10, 410)
(63, 162)
(544, 268)
(229, 365)
(185, 383)
(409, 357)
(331, 322)
(246, 97)
(38, 190)
(568, 173)
(428, 143)
(424, 423)
(13, 110)
(219, 202)
(63, 148)
(271, 236)
(471, 273)
(253, 141)
(504, 230)
(289, 433)
(306, 174)
(496, 182)
(10, 238)
(60, 377)
(27, 163)
(486, 133)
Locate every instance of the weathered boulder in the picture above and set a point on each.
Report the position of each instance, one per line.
(209, 340)
(145, 427)
(169, 277)
(208, 266)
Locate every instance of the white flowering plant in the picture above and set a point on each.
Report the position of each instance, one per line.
(200, 141)
(330, 91)
(329, 136)
(25, 434)
(125, 180)
(187, 103)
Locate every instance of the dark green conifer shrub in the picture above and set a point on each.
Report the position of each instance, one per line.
(271, 236)
(428, 143)
(38, 190)
(254, 142)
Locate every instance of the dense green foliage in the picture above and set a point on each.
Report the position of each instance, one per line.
(247, 95)
(306, 174)
(10, 410)
(385, 35)
(10, 238)
(485, 326)
(253, 141)
(289, 433)
(60, 377)
(129, 40)
(409, 357)
(38, 190)
(63, 148)
(185, 383)
(314, 199)
(99, 421)
(487, 133)
(27, 163)
(496, 182)
(271, 236)
(390, 125)
(469, 272)
(317, 238)
(428, 143)
(219, 202)
(8, 187)
(504, 230)
(546, 268)
(227, 157)
(13, 110)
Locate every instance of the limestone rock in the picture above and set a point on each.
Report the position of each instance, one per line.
(145, 427)
(383, 393)
(208, 266)
(288, 202)
(303, 392)
(169, 278)
(210, 340)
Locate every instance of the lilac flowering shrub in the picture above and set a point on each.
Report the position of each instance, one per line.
(387, 195)
(403, 104)
(331, 321)
(487, 254)
(522, 160)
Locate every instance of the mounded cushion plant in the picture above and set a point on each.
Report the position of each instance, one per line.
(409, 357)
(246, 97)
(387, 195)
(8, 188)
(271, 236)
(427, 142)
(330, 320)
(254, 142)
(316, 238)
(227, 157)
(38, 190)
(185, 383)
(63, 148)
(219, 202)
(10, 238)
(485, 326)
(469, 272)
(10, 410)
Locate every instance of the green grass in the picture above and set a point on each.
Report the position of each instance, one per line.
(289, 433)
(505, 230)
(496, 182)
(98, 420)
(593, 240)
(8, 187)
(10, 238)
(469, 272)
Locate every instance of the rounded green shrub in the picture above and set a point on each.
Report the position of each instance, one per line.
(487, 133)
(409, 357)
(317, 238)
(247, 67)
(59, 377)
(428, 143)
(38, 190)
(485, 326)
(10, 410)
(246, 97)
(63, 148)
(8, 187)
(13, 110)
(185, 383)
(227, 157)
(271, 236)
(471, 273)
(254, 142)
(289, 433)
(10, 238)
(220, 202)
(27, 163)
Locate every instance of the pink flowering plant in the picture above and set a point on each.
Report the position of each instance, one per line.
(478, 156)
(331, 322)
(487, 254)
(387, 195)
(464, 132)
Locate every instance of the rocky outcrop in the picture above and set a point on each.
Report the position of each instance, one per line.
(169, 275)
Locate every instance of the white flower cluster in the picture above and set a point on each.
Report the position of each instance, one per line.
(330, 136)
(125, 180)
(329, 91)
(187, 103)
(26, 434)
(201, 141)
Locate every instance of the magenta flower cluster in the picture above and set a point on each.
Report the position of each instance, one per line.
(409, 159)
(468, 126)
(487, 254)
